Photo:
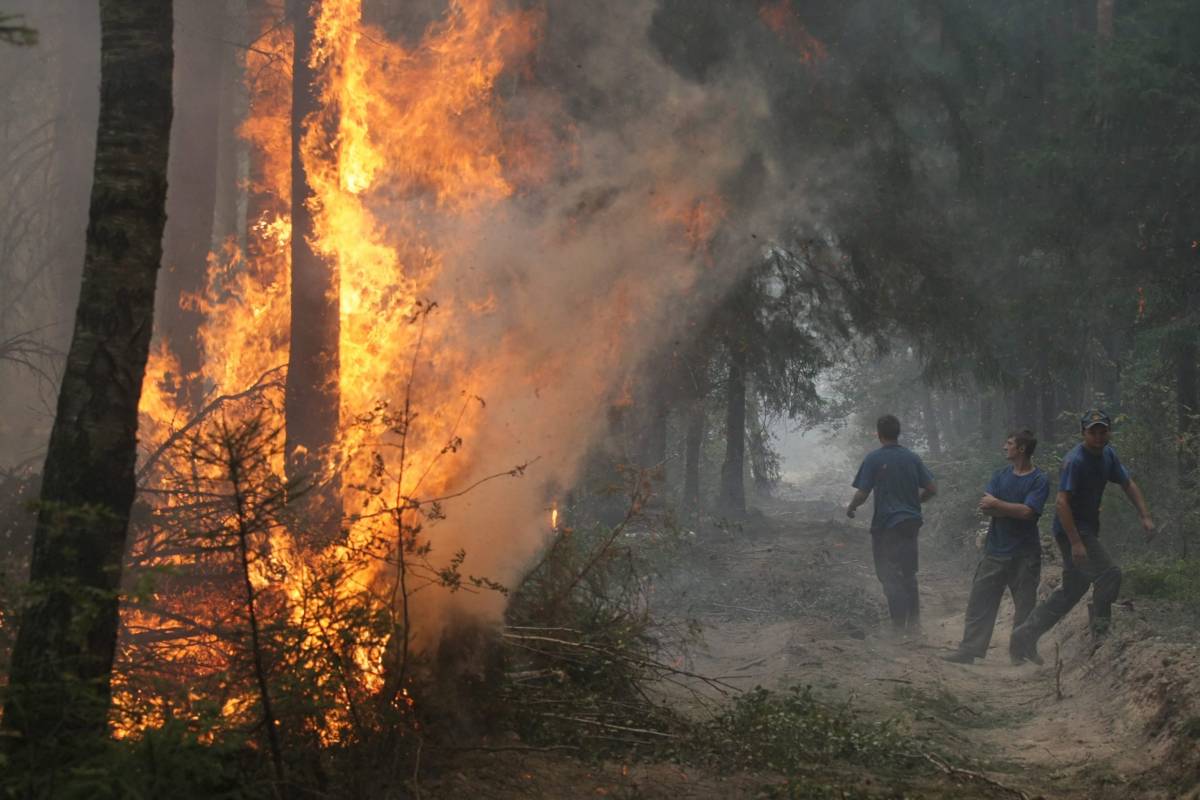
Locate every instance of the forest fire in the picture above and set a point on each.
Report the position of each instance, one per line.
(408, 161)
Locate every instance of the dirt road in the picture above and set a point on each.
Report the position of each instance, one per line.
(790, 598)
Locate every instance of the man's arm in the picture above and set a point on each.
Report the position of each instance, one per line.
(928, 491)
(1067, 517)
(859, 498)
(1139, 502)
(995, 507)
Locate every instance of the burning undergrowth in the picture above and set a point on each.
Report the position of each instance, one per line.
(501, 262)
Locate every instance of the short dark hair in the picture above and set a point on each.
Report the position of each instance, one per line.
(1024, 438)
(888, 427)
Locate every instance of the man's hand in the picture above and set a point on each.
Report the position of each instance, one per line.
(988, 504)
(1148, 527)
(850, 512)
(1078, 552)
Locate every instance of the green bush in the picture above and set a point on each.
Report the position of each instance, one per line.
(790, 731)
(1177, 580)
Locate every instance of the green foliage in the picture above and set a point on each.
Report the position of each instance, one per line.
(165, 762)
(1176, 579)
(792, 731)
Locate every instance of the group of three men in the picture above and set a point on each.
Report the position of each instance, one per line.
(1012, 559)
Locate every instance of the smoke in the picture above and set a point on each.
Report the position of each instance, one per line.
(577, 280)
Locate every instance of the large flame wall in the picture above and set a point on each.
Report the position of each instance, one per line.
(559, 245)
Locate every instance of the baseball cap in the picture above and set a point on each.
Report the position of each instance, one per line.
(1094, 416)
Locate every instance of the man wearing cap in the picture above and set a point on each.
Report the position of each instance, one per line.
(1087, 469)
(901, 482)
(1012, 557)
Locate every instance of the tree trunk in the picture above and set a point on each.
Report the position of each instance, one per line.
(1025, 404)
(1105, 10)
(760, 456)
(929, 417)
(692, 450)
(986, 419)
(74, 145)
(311, 390)
(1049, 408)
(1187, 407)
(192, 175)
(733, 490)
(62, 660)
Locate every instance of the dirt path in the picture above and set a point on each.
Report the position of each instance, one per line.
(791, 598)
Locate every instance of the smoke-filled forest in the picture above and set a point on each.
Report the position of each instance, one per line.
(632, 399)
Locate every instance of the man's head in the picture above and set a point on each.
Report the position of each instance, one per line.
(1020, 442)
(1095, 426)
(888, 428)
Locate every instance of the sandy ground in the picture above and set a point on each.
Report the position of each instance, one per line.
(791, 598)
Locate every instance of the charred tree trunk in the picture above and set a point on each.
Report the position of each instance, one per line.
(732, 498)
(74, 144)
(62, 661)
(192, 175)
(311, 391)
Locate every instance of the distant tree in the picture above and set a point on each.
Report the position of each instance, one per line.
(59, 683)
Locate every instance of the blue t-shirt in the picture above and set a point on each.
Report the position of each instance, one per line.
(1085, 475)
(897, 475)
(1008, 536)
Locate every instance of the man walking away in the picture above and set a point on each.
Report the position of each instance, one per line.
(1012, 558)
(1087, 469)
(901, 482)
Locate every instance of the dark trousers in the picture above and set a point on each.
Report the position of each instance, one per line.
(895, 552)
(1097, 571)
(1017, 573)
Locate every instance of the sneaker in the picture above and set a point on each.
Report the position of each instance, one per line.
(959, 657)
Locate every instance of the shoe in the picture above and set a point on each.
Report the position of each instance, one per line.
(1022, 648)
(959, 657)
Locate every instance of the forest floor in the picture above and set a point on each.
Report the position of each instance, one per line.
(789, 598)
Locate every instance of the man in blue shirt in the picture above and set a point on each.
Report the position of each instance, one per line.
(1086, 470)
(901, 482)
(1012, 559)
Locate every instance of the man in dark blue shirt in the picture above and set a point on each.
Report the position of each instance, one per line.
(1086, 470)
(901, 482)
(1012, 558)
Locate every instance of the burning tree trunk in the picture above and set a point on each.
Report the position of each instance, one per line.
(62, 660)
(733, 489)
(311, 395)
(193, 176)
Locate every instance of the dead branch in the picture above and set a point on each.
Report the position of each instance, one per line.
(959, 772)
(631, 659)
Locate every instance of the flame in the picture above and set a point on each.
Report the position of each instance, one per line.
(420, 149)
